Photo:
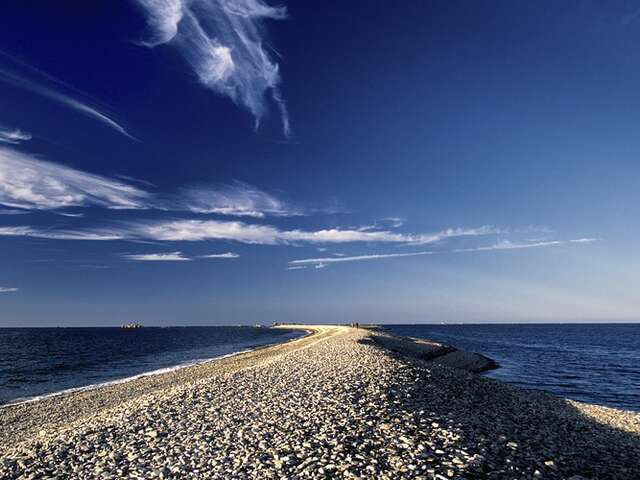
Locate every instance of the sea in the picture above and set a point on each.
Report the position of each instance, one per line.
(594, 363)
(37, 362)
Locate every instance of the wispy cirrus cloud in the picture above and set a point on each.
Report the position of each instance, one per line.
(52, 234)
(14, 136)
(357, 258)
(8, 289)
(508, 245)
(502, 245)
(27, 77)
(207, 230)
(237, 199)
(584, 240)
(30, 183)
(453, 233)
(220, 255)
(201, 230)
(224, 42)
(157, 257)
(175, 256)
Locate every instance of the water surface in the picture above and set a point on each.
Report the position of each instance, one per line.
(595, 363)
(40, 361)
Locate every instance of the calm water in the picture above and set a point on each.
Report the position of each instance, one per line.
(595, 363)
(39, 361)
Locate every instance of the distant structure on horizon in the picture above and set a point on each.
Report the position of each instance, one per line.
(130, 326)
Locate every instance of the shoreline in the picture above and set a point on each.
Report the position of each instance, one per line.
(100, 395)
(348, 398)
(150, 373)
(108, 383)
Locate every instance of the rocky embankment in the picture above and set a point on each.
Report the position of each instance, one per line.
(337, 404)
(434, 352)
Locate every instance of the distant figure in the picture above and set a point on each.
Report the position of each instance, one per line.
(357, 325)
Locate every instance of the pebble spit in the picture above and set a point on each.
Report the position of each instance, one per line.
(330, 405)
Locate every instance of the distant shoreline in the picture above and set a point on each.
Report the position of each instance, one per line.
(581, 322)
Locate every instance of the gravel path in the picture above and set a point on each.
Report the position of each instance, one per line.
(331, 405)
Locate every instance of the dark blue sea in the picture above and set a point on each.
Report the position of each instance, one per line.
(595, 363)
(40, 361)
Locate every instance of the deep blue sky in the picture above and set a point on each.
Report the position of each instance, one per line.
(498, 141)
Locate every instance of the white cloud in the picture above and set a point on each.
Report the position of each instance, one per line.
(200, 230)
(223, 41)
(237, 199)
(30, 183)
(89, 235)
(14, 136)
(220, 255)
(15, 231)
(94, 235)
(44, 85)
(158, 257)
(508, 245)
(368, 234)
(163, 17)
(358, 258)
(72, 215)
(300, 267)
(174, 256)
(584, 240)
(337, 235)
(8, 289)
(204, 230)
(424, 239)
(502, 245)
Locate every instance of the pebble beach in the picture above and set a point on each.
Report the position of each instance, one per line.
(338, 403)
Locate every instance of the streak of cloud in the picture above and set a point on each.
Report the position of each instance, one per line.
(357, 258)
(201, 230)
(205, 230)
(30, 183)
(41, 83)
(14, 136)
(508, 245)
(220, 255)
(51, 234)
(453, 233)
(502, 245)
(157, 257)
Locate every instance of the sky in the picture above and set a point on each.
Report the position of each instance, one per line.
(205, 162)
